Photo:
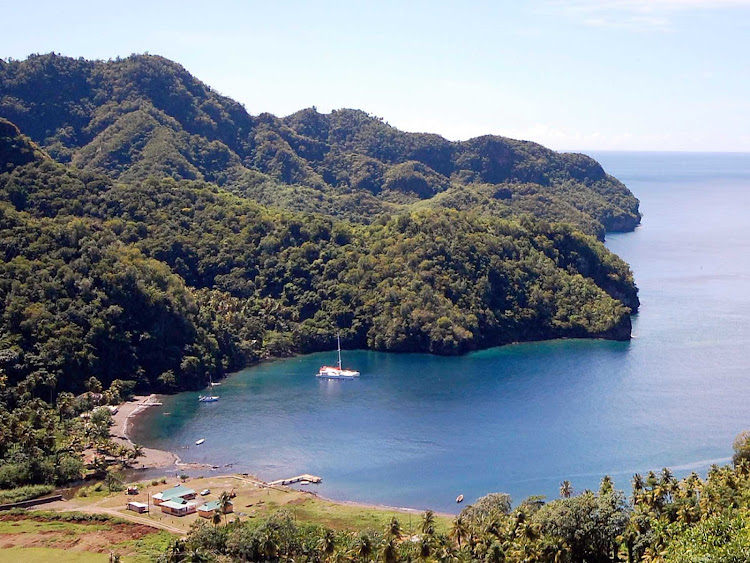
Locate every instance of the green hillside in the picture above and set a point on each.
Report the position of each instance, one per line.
(147, 116)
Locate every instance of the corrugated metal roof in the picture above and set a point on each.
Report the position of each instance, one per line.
(176, 492)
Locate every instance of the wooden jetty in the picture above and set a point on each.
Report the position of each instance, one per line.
(306, 477)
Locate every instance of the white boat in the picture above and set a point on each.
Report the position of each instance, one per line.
(199, 442)
(207, 398)
(337, 372)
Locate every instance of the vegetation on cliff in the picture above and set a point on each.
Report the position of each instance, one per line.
(146, 116)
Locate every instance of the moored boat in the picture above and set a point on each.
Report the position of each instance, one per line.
(337, 372)
(207, 398)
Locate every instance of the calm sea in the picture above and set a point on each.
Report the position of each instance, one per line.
(417, 430)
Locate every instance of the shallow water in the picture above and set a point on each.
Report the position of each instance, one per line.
(417, 430)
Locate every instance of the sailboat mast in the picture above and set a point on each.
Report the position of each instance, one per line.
(338, 338)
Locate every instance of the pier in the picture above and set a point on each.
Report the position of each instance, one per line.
(306, 477)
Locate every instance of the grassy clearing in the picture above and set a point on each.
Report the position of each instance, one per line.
(145, 549)
(45, 526)
(354, 517)
(65, 536)
(47, 554)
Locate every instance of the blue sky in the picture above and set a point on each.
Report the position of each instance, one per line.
(576, 75)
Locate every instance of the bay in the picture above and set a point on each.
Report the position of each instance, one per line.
(417, 430)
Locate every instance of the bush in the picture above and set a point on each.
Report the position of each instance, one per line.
(24, 493)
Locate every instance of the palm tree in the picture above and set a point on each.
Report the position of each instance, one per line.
(425, 547)
(268, 546)
(363, 547)
(566, 489)
(216, 517)
(389, 553)
(638, 486)
(394, 528)
(136, 452)
(459, 530)
(225, 501)
(495, 554)
(176, 552)
(606, 486)
(327, 544)
(428, 523)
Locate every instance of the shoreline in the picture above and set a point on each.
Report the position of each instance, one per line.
(152, 458)
(163, 459)
(120, 432)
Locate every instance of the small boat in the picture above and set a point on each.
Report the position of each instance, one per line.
(460, 498)
(337, 372)
(199, 442)
(207, 398)
(215, 384)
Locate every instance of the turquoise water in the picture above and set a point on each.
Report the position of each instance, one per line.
(417, 430)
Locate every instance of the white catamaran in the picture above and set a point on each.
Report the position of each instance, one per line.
(329, 372)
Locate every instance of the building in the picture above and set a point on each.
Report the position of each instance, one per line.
(177, 508)
(207, 510)
(177, 493)
(138, 507)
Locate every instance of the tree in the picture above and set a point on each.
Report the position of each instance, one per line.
(327, 543)
(741, 446)
(427, 524)
(363, 546)
(93, 385)
(566, 489)
(136, 452)
(389, 551)
(225, 501)
(393, 529)
(459, 530)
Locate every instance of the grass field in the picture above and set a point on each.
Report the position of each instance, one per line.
(37, 536)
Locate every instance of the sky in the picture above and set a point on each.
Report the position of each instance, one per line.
(573, 75)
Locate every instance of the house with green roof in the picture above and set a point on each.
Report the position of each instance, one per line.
(207, 510)
(178, 493)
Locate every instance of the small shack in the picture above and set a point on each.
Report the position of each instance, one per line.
(176, 508)
(177, 493)
(138, 507)
(207, 510)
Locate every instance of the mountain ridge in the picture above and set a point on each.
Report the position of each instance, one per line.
(147, 116)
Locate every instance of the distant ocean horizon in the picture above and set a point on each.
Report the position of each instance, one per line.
(417, 430)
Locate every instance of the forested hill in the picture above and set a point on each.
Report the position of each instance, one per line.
(166, 281)
(145, 116)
